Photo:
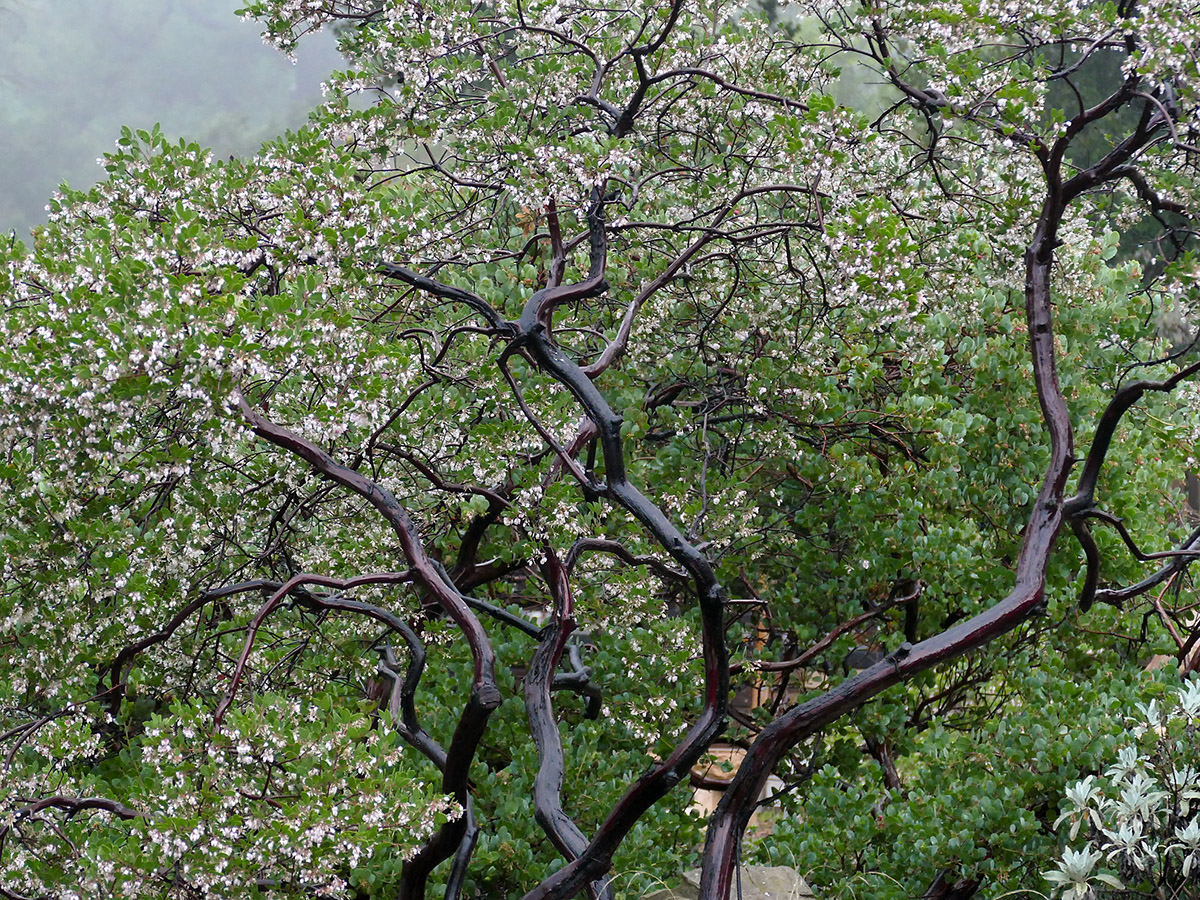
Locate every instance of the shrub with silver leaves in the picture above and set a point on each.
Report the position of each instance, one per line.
(1137, 827)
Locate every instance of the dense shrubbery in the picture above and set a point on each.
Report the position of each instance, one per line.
(397, 510)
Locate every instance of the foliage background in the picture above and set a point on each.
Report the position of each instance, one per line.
(131, 487)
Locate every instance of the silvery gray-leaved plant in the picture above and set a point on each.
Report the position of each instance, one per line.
(1134, 818)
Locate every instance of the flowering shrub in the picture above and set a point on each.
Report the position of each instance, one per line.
(577, 365)
(1138, 824)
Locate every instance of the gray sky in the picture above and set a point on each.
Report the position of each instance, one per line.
(72, 72)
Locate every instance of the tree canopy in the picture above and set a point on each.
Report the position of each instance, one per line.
(396, 512)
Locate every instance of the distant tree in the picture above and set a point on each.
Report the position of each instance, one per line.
(72, 74)
(398, 509)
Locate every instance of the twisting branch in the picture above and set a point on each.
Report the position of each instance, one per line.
(543, 303)
(484, 695)
(567, 459)
(729, 821)
(579, 680)
(1082, 505)
(117, 673)
(402, 712)
(500, 615)
(401, 705)
(824, 643)
(1119, 526)
(650, 787)
(440, 483)
(292, 584)
(1124, 398)
(1084, 55)
(563, 833)
(74, 805)
(26, 730)
(1091, 572)
(1113, 165)
(498, 501)
(605, 545)
(1147, 193)
(1166, 620)
(424, 570)
(401, 702)
(447, 292)
(620, 342)
(1117, 596)
(585, 433)
(788, 103)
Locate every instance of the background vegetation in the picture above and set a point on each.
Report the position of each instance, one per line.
(398, 509)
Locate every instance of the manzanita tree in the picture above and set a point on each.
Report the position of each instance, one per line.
(599, 351)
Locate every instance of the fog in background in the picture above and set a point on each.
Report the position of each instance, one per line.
(72, 72)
